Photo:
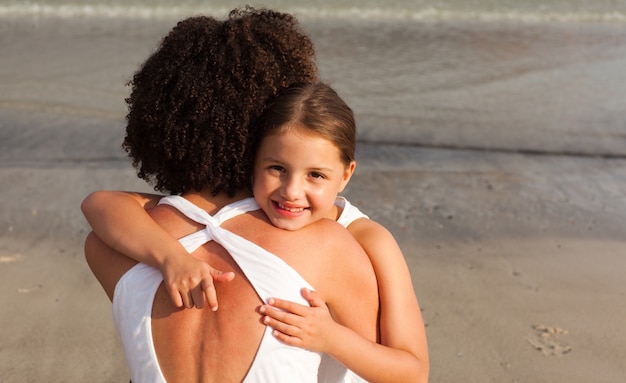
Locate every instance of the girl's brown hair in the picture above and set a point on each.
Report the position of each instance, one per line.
(315, 108)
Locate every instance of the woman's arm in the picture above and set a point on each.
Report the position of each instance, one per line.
(121, 221)
(402, 354)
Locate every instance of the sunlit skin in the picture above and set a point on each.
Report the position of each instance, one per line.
(297, 176)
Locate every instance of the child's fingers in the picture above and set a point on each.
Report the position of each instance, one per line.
(284, 332)
(188, 292)
(187, 299)
(197, 296)
(270, 312)
(220, 276)
(281, 326)
(209, 291)
(208, 286)
(313, 298)
(176, 299)
(288, 306)
(179, 293)
(286, 339)
(175, 296)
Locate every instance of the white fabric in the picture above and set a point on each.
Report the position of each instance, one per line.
(132, 306)
(350, 212)
(269, 275)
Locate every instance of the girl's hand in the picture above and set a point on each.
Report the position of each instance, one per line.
(301, 326)
(190, 282)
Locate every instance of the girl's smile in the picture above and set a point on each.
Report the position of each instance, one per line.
(286, 210)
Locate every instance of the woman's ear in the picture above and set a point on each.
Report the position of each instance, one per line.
(347, 174)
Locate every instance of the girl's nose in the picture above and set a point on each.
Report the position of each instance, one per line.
(291, 188)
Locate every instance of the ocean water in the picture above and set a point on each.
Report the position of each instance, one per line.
(529, 10)
(501, 75)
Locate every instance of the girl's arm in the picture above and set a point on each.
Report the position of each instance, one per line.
(121, 220)
(106, 264)
(401, 356)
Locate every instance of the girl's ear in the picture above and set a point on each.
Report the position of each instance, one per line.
(347, 174)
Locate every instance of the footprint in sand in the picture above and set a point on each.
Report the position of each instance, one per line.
(546, 339)
(9, 258)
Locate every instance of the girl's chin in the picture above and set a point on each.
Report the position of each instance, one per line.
(290, 225)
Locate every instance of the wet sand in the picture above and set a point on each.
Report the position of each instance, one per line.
(517, 258)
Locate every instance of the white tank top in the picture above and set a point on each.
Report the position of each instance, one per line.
(350, 212)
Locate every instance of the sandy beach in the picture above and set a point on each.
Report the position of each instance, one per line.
(516, 242)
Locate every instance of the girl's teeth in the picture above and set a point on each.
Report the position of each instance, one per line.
(293, 210)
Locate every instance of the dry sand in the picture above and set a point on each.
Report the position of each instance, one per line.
(517, 260)
(527, 293)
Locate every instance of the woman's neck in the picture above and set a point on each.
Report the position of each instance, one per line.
(213, 203)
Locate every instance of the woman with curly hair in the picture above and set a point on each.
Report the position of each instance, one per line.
(189, 111)
(194, 99)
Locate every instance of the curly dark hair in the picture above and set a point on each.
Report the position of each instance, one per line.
(194, 99)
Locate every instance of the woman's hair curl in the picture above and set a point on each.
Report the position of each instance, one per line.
(194, 100)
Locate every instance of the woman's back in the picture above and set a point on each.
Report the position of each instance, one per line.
(195, 345)
(200, 345)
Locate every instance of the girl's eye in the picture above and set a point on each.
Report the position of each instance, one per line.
(317, 175)
(276, 168)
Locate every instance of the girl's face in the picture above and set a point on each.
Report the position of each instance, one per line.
(297, 176)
